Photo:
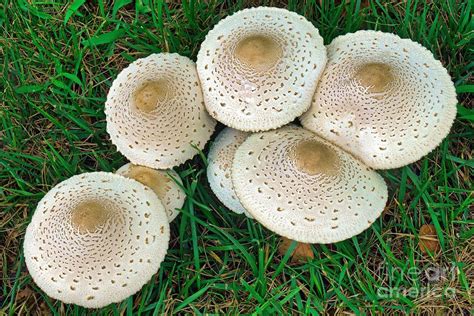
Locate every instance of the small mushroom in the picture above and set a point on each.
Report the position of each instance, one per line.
(219, 168)
(384, 99)
(304, 188)
(96, 239)
(155, 111)
(162, 182)
(429, 242)
(259, 68)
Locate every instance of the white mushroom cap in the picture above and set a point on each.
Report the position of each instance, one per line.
(219, 168)
(155, 111)
(96, 239)
(259, 68)
(161, 182)
(304, 188)
(384, 99)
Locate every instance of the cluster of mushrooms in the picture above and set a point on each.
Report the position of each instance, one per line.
(369, 100)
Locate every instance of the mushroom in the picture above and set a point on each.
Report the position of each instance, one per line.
(259, 68)
(155, 111)
(95, 239)
(384, 99)
(219, 168)
(304, 188)
(162, 182)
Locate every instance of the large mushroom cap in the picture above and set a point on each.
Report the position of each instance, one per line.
(95, 239)
(259, 68)
(162, 182)
(155, 111)
(304, 188)
(219, 167)
(382, 98)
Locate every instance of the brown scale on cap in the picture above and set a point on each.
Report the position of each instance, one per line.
(148, 97)
(89, 215)
(157, 181)
(259, 52)
(161, 182)
(314, 157)
(375, 77)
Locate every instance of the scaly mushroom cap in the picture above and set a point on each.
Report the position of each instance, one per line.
(96, 239)
(219, 168)
(384, 99)
(155, 111)
(259, 68)
(161, 182)
(304, 188)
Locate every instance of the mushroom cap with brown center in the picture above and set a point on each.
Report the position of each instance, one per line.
(304, 188)
(96, 239)
(219, 167)
(155, 111)
(162, 182)
(384, 99)
(259, 68)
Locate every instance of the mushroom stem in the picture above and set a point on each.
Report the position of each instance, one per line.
(300, 254)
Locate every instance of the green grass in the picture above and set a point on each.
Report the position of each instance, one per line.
(57, 62)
